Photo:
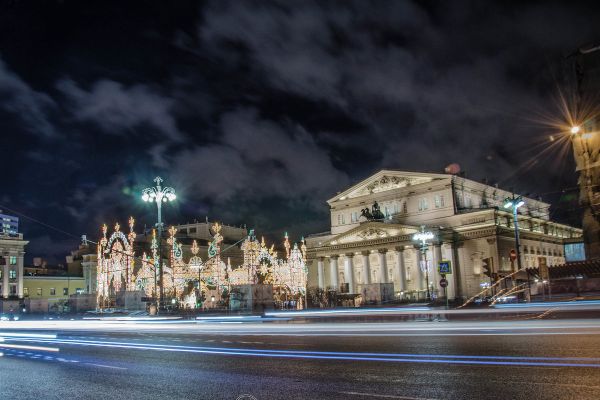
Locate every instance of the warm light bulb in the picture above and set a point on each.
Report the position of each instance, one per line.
(575, 129)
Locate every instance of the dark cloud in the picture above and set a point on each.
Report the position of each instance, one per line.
(257, 112)
(117, 109)
(32, 107)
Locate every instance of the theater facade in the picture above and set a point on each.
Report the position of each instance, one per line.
(371, 245)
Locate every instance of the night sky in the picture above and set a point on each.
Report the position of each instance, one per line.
(258, 112)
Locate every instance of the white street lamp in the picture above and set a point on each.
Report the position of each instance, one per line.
(514, 203)
(159, 195)
(423, 237)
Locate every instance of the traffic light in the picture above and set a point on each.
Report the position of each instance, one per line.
(488, 266)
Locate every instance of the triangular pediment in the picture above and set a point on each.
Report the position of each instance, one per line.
(386, 180)
(370, 231)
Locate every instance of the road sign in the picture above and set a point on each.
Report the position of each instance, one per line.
(513, 254)
(443, 282)
(444, 267)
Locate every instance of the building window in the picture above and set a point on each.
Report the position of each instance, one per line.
(26, 291)
(396, 208)
(354, 216)
(192, 230)
(339, 219)
(79, 291)
(423, 204)
(13, 260)
(343, 218)
(39, 291)
(405, 207)
(52, 291)
(12, 274)
(65, 291)
(439, 201)
(468, 201)
(13, 290)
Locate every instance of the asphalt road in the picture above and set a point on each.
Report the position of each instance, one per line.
(534, 359)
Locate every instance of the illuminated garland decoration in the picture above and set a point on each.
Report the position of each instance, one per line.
(115, 263)
(116, 268)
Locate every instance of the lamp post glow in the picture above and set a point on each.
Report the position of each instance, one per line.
(514, 203)
(159, 195)
(423, 237)
(575, 129)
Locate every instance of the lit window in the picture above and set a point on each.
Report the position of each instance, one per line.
(13, 260)
(65, 291)
(79, 291)
(52, 291)
(12, 274)
(39, 291)
(26, 291)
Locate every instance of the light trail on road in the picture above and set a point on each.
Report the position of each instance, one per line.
(578, 362)
(471, 328)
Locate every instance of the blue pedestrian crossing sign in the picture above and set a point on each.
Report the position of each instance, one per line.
(444, 267)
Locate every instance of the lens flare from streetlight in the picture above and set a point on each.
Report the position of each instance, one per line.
(575, 129)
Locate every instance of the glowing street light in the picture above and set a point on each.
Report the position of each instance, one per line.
(515, 202)
(159, 195)
(575, 129)
(423, 237)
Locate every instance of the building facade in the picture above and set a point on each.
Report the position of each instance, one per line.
(374, 221)
(12, 251)
(9, 224)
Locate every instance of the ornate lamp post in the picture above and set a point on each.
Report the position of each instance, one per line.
(423, 237)
(515, 202)
(159, 195)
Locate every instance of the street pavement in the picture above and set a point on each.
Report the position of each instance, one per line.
(512, 359)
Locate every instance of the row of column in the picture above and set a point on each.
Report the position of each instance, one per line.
(398, 271)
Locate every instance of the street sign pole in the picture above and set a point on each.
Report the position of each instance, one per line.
(444, 284)
(445, 292)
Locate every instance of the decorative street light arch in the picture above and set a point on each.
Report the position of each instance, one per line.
(159, 195)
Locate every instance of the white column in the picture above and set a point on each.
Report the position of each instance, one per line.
(400, 269)
(20, 276)
(366, 266)
(333, 272)
(320, 273)
(5, 277)
(435, 274)
(349, 271)
(383, 278)
(452, 277)
(420, 275)
(465, 289)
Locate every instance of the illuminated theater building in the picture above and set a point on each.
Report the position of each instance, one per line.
(371, 240)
